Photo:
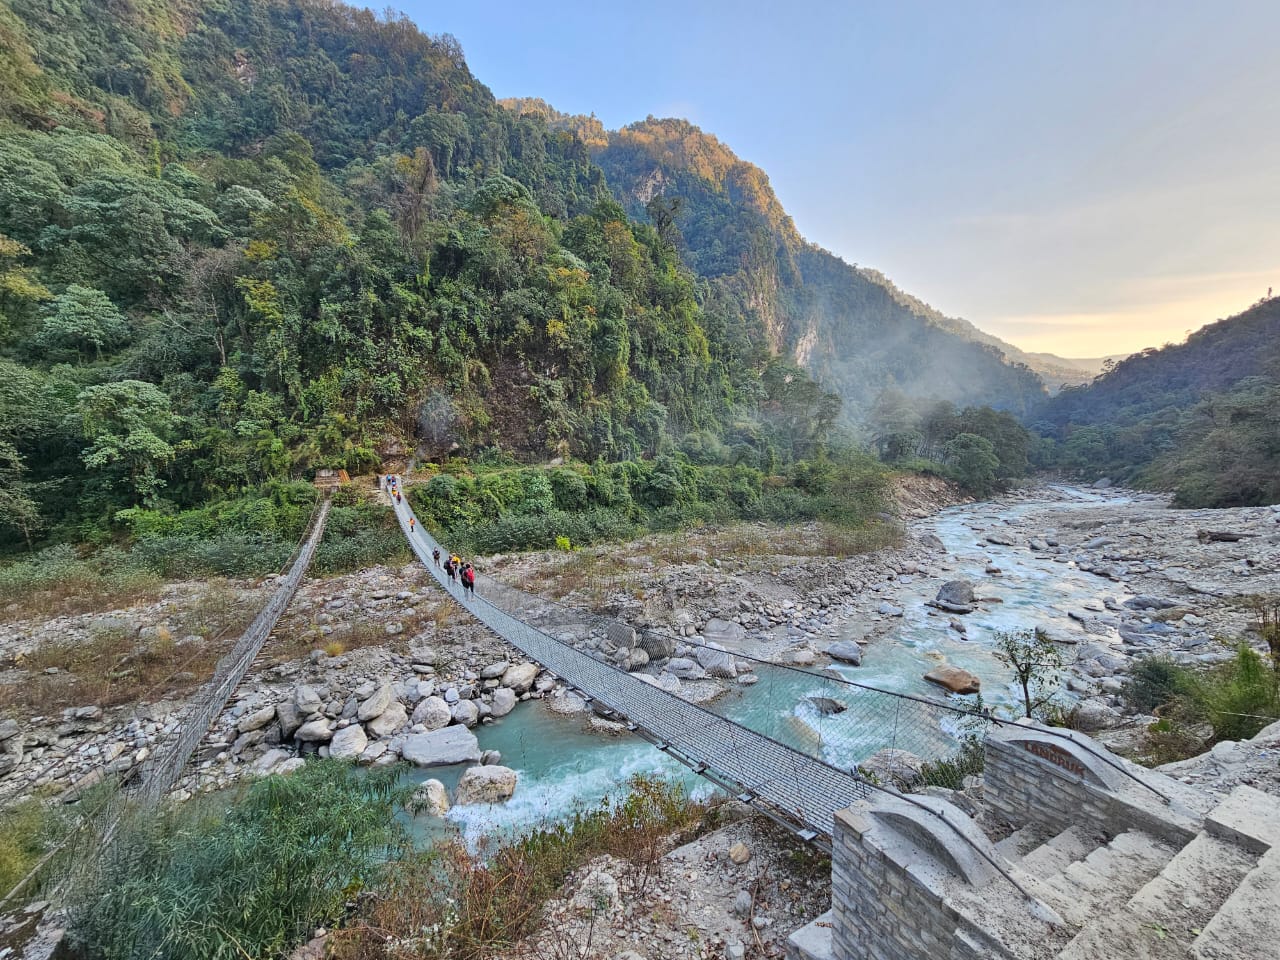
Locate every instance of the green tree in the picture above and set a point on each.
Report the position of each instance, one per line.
(82, 319)
(1035, 661)
(126, 424)
(974, 462)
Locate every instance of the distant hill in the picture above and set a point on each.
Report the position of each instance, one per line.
(1201, 418)
(848, 325)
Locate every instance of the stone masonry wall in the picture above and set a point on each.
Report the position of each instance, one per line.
(886, 907)
(1046, 779)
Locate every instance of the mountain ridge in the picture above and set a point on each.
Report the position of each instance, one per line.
(708, 157)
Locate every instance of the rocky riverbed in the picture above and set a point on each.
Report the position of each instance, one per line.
(1113, 576)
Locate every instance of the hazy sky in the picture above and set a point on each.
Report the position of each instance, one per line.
(1079, 176)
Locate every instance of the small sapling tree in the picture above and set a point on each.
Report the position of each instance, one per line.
(1035, 661)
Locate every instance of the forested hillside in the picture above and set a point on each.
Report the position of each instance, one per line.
(242, 240)
(1201, 418)
(849, 326)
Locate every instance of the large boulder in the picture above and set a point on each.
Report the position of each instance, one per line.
(267, 763)
(954, 679)
(492, 672)
(466, 713)
(723, 631)
(519, 677)
(716, 661)
(314, 731)
(620, 635)
(685, 669)
(430, 798)
(658, 646)
(504, 701)
(848, 651)
(307, 699)
(390, 721)
(375, 705)
(489, 784)
(256, 720)
(894, 767)
(433, 713)
(956, 596)
(11, 747)
(348, 743)
(441, 748)
(290, 718)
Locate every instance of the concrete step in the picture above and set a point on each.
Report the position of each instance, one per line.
(1160, 921)
(1247, 925)
(1023, 840)
(1106, 878)
(1059, 852)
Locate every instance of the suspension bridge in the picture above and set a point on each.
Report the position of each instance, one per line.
(799, 790)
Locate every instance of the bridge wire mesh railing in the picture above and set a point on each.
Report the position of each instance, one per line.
(108, 801)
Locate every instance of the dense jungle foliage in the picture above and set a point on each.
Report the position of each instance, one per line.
(848, 326)
(246, 239)
(1200, 418)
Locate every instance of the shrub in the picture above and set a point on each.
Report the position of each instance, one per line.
(1239, 698)
(27, 830)
(1155, 682)
(950, 773)
(207, 881)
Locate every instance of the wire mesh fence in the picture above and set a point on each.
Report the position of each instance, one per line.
(107, 803)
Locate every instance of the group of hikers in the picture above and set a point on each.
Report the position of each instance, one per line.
(453, 566)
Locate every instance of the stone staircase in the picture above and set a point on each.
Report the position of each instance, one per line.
(1135, 896)
(1125, 878)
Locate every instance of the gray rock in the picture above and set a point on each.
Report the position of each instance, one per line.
(375, 704)
(847, 650)
(430, 798)
(391, 721)
(348, 743)
(1144, 602)
(827, 706)
(722, 632)
(889, 610)
(685, 669)
(8, 728)
(520, 676)
(315, 731)
(620, 635)
(504, 701)
(896, 767)
(485, 784)
(307, 699)
(1089, 715)
(466, 713)
(256, 720)
(657, 645)
(441, 748)
(494, 670)
(955, 596)
(433, 713)
(716, 661)
(268, 761)
(290, 718)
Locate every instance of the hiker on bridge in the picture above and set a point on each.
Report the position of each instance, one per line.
(435, 555)
(451, 569)
(469, 580)
(412, 523)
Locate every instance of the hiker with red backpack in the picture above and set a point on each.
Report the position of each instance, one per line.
(468, 580)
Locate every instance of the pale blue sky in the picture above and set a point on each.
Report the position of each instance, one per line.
(1081, 176)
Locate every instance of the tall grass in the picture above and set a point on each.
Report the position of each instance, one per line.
(1198, 708)
(461, 904)
(219, 880)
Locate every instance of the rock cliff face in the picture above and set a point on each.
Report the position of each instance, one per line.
(848, 325)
